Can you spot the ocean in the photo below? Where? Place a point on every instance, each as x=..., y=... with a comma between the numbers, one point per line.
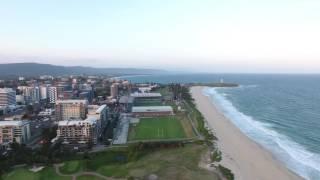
x=280, y=112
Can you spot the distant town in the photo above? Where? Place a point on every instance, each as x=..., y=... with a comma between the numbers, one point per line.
x=48, y=120
x=85, y=111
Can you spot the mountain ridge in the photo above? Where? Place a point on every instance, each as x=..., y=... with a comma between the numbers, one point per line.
x=36, y=69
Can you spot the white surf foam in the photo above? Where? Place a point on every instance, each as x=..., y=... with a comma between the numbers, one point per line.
x=248, y=86
x=293, y=155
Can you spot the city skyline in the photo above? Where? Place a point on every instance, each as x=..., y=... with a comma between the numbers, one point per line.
x=203, y=36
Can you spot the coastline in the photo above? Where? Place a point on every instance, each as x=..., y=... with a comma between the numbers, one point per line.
x=244, y=157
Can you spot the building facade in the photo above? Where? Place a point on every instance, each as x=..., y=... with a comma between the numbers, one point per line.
x=52, y=94
x=101, y=114
x=7, y=97
x=44, y=92
x=31, y=94
x=152, y=111
x=71, y=109
x=114, y=90
x=14, y=131
x=147, y=99
x=78, y=132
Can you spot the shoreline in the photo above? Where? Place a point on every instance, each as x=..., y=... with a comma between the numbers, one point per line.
x=244, y=157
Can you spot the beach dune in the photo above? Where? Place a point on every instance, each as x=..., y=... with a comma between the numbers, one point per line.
x=246, y=159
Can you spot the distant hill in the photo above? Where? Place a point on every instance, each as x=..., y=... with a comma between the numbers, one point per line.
x=35, y=69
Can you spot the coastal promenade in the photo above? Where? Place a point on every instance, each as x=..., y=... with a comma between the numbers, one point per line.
x=247, y=159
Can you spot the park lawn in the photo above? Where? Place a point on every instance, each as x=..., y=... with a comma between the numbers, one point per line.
x=116, y=170
x=172, y=163
x=168, y=127
x=95, y=161
x=21, y=173
x=186, y=124
x=88, y=177
x=47, y=173
x=71, y=167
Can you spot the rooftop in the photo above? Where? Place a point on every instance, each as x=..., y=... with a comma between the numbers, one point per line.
x=13, y=123
x=137, y=95
x=95, y=109
x=6, y=90
x=71, y=101
x=126, y=99
x=151, y=109
x=90, y=120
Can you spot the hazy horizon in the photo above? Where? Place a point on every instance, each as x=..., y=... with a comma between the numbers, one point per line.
x=199, y=36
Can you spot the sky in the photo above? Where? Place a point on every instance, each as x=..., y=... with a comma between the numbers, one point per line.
x=267, y=36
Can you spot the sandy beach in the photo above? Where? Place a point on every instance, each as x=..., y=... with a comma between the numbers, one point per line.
x=246, y=159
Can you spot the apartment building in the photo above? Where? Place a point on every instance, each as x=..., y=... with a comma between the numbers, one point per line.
x=71, y=109
x=52, y=94
x=14, y=131
x=77, y=132
x=101, y=114
x=7, y=97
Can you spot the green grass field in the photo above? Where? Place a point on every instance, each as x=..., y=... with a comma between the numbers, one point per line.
x=88, y=178
x=71, y=167
x=157, y=128
x=177, y=163
x=172, y=163
x=47, y=173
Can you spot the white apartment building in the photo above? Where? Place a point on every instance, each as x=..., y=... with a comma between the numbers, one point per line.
x=101, y=114
x=14, y=131
x=78, y=131
x=52, y=94
x=71, y=109
x=44, y=92
x=31, y=94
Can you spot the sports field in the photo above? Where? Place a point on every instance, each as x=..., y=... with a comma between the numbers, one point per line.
x=157, y=128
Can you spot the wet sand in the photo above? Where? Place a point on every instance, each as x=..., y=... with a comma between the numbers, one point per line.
x=247, y=159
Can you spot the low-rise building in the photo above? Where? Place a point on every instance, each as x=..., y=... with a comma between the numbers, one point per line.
x=46, y=112
x=143, y=99
x=146, y=95
x=151, y=111
x=126, y=103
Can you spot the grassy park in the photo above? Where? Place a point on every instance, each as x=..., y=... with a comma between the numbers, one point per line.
x=87, y=177
x=71, y=167
x=165, y=163
x=47, y=173
x=168, y=127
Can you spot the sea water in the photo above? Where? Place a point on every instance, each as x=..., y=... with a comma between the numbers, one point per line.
x=280, y=112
